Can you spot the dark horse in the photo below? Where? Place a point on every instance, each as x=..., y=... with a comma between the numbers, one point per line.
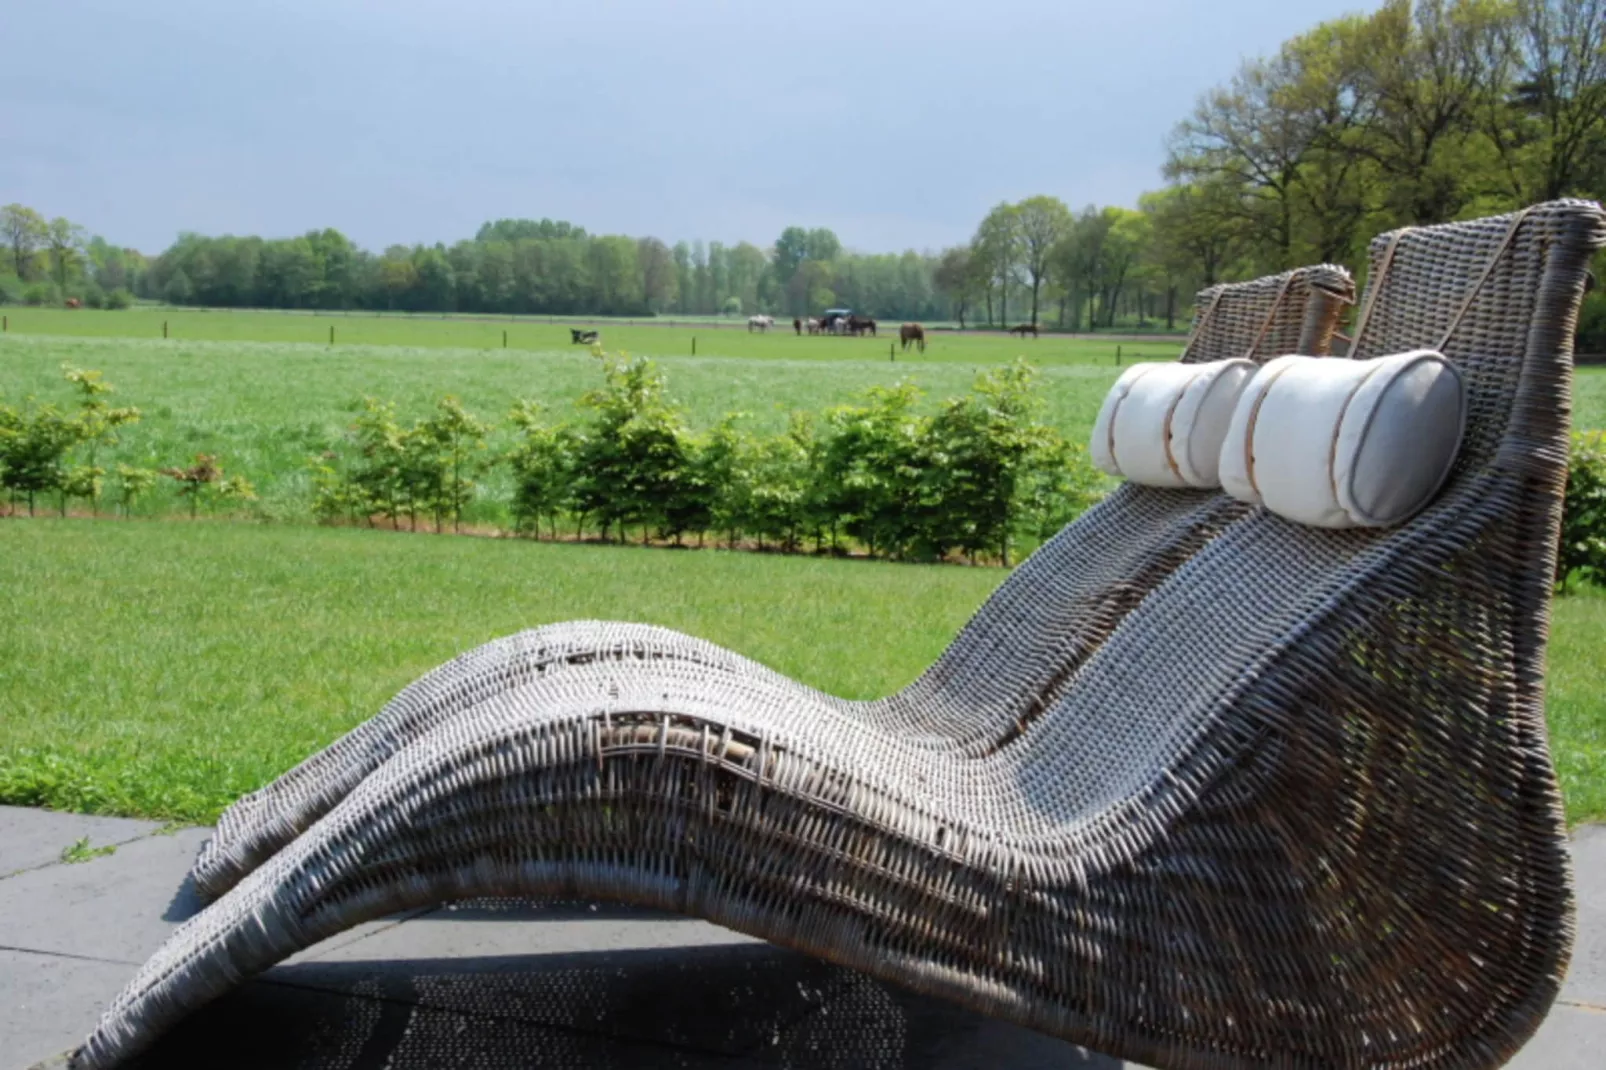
x=1024, y=329
x=797, y=325
x=580, y=337
x=912, y=332
x=859, y=324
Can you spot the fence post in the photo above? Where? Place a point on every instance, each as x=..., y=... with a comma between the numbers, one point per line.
x=892, y=355
x=1118, y=355
x=331, y=334
x=5, y=323
x=694, y=345
x=504, y=339
x=164, y=328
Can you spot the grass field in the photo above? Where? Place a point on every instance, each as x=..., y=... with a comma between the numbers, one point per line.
x=715, y=339
x=162, y=668
x=264, y=408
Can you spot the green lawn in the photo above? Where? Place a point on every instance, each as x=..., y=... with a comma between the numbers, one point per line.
x=162, y=668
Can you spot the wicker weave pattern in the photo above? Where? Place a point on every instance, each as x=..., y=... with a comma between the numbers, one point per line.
x=1056, y=608
x=1291, y=806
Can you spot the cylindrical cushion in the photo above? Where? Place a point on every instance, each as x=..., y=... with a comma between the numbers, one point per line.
x=1162, y=424
x=1341, y=443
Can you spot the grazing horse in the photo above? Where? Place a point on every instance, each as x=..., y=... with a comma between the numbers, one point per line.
x=912, y=332
x=797, y=325
x=759, y=323
x=582, y=337
x=857, y=325
x=73, y=302
x=1024, y=329
x=813, y=325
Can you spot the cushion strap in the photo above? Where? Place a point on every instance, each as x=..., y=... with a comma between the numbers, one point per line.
x=1488, y=269
x=1271, y=316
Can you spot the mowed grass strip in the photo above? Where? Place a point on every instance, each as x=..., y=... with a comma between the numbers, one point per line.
x=164, y=668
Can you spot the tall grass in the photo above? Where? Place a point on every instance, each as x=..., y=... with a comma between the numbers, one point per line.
x=264, y=408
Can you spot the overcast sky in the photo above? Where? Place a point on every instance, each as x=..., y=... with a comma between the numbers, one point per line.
x=895, y=122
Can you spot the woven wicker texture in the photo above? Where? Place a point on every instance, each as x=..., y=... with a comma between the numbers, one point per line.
x=1051, y=613
x=1292, y=805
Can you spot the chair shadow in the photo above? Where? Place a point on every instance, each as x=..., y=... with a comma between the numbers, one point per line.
x=730, y=1005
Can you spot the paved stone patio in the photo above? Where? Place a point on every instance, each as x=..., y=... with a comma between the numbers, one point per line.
x=497, y=984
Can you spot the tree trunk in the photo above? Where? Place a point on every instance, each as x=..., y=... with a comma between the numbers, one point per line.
x=1036, y=282
x=1171, y=307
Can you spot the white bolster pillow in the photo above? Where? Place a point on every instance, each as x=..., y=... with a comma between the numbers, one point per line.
x=1162, y=425
x=1345, y=443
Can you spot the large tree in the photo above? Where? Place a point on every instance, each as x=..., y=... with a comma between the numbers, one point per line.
x=25, y=231
x=1041, y=222
x=995, y=251
x=65, y=242
x=955, y=279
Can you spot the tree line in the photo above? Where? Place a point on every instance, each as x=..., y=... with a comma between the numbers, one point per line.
x=1419, y=112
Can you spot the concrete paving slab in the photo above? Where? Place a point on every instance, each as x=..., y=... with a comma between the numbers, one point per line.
x=496, y=983
x=30, y=838
x=49, y=1003
x=1572, y=1038
x=516, y=928
x=118, y=907
x=1586, y=979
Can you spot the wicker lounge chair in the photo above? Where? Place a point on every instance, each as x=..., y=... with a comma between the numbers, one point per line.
x=1056, y=607
x=1295, y=808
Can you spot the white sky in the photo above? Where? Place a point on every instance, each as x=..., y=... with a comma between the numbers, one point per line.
x=897, y=123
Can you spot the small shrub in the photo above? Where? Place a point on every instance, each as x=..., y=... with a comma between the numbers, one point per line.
x=1582, y=554
x=117, y=300
x=633, y=456
x=33, y=451
x=133, y=484
x=195, y=480
x=543, y=470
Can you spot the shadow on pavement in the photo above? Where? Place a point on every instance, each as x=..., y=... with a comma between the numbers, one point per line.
x=728, y=1006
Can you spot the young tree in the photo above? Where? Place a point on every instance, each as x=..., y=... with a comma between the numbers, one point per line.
x=195, y=480
x=543, y=470
x=97, y=422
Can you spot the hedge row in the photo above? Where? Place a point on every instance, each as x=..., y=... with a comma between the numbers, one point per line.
x=973, y=479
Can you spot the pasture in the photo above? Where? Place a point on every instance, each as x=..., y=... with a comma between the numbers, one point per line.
x=162, y=668
x=264, y=408
x=716, y=338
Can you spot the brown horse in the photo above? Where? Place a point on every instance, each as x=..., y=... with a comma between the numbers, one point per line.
x=73, y=302
x=1024, y=329
x=858, y=325
x=912, y=332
